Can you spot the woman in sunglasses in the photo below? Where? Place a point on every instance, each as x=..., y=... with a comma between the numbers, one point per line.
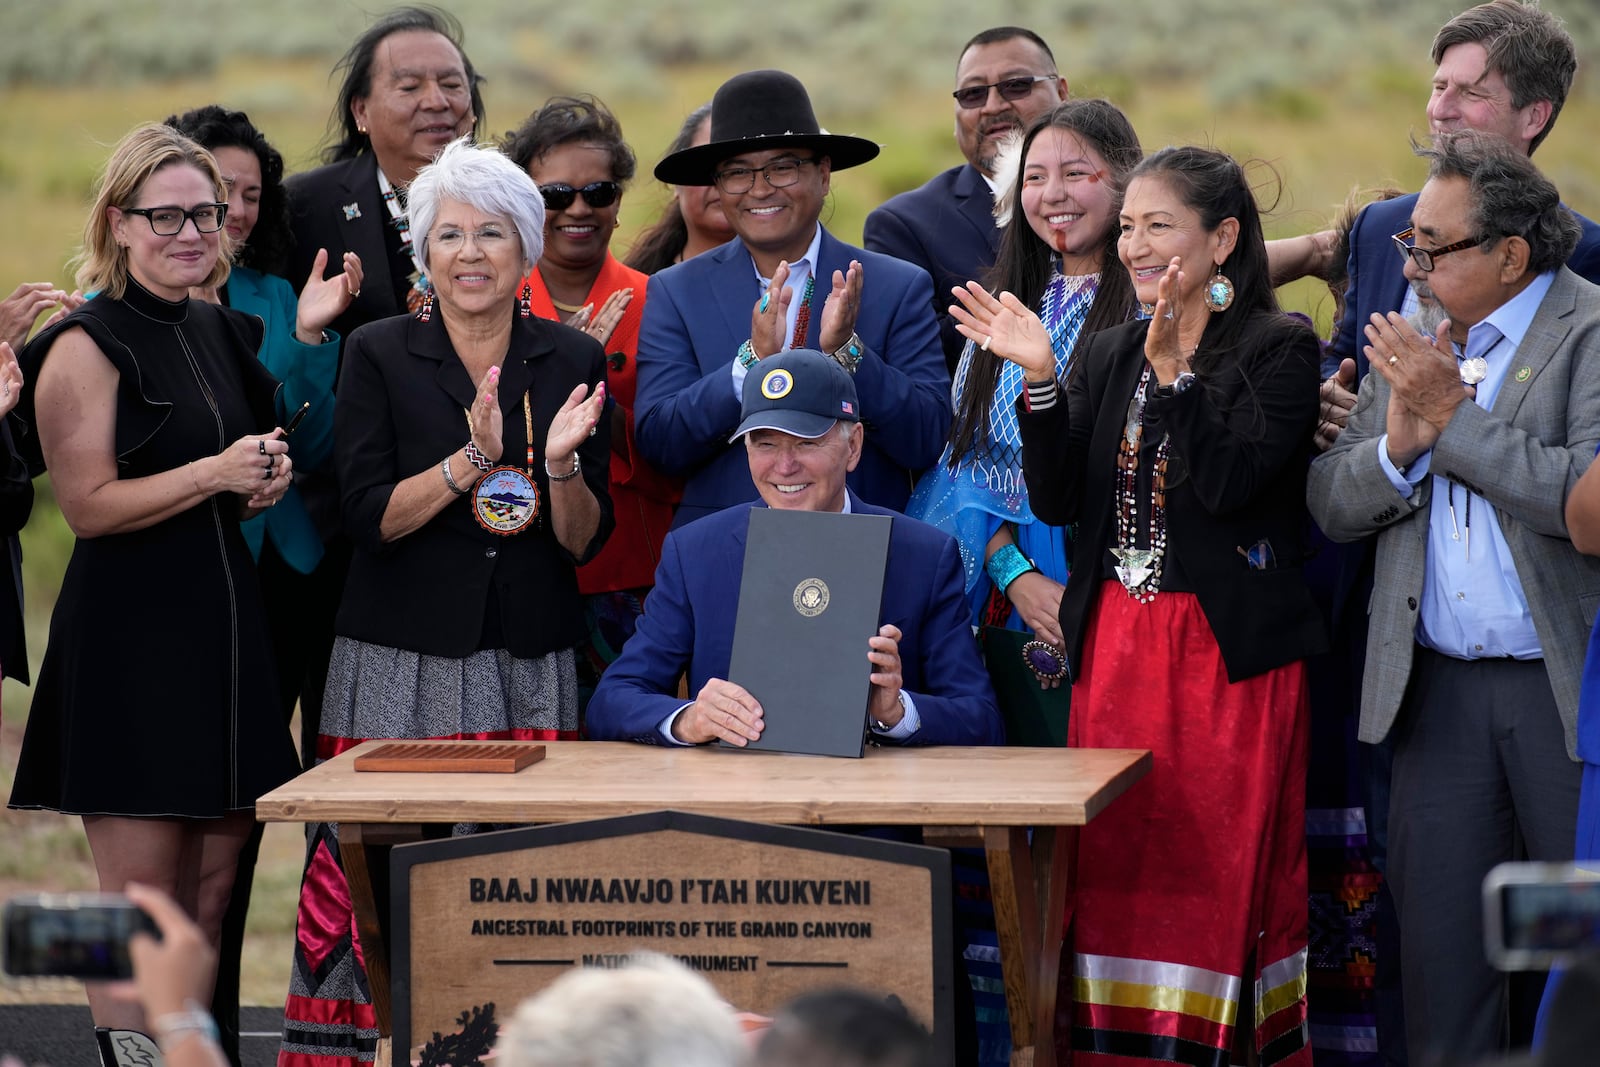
x=573, y=149
x=155, y=716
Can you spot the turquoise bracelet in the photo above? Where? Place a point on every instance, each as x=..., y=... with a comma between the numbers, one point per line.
x=1006, y=566
x=747, y=355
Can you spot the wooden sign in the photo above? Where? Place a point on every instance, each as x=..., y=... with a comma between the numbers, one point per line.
x=763, y=912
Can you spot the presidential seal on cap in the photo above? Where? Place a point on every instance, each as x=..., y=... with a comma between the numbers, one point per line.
x=800, y=392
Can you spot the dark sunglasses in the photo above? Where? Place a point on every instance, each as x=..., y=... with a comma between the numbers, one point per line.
x=558, y=196
x=975, y=96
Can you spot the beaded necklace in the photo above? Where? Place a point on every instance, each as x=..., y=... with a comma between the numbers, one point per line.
x=802, y=321
x=1139, y=569
x=402, y=225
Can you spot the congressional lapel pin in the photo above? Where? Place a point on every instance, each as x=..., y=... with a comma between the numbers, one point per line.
x=352, y=212
x=1524, y=373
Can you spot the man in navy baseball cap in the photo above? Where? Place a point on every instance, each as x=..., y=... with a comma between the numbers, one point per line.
x=801, y=425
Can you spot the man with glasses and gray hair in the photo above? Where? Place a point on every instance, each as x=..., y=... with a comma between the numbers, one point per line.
x=1456, y=463
x=1006, y=77
x=785, y=283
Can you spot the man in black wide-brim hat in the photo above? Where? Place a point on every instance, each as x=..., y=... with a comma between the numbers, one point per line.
x=783, y=283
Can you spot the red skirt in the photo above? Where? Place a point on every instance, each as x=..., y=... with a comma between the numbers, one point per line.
x=1194, y=882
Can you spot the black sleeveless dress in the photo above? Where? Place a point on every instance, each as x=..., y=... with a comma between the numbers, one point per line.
x=157, y=696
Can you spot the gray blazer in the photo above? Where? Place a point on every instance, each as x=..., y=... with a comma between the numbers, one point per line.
x=1523, y=457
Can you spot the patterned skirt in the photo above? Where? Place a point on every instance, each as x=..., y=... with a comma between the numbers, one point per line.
x=378, y=692
x=1191, y=889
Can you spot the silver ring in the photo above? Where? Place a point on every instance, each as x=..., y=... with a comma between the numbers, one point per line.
x=591, y=431
x=262, y=444
x=986, y=339
x=1393, y=360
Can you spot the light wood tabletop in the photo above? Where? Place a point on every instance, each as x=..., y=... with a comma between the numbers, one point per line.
x=935, y=786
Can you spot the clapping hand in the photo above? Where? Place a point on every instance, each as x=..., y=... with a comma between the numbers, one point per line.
x=485, y=421
x=10, y=378
x=325, y=299
x=25, y=304
x=769, y=321
x=843, y=305
x=573, y=424
x=1424, y=382
x=604, y=322
x=1007, y=327
x=1163, y=344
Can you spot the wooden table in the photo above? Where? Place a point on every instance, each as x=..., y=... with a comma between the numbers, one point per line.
x=985, y=797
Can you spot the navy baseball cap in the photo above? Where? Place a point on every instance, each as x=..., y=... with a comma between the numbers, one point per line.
x=800, y=392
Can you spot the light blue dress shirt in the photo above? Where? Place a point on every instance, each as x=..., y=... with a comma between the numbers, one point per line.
x=799, y=271
x=1473, y=605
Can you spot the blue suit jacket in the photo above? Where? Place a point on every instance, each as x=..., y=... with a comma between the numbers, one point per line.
x=947, y=228
x=307, y=373
x=1378, y=284
x=688, y=625
x=697, y=314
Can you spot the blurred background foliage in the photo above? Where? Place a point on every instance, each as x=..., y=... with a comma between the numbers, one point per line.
x=1325, y=96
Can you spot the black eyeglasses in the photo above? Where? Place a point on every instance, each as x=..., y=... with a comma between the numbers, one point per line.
x=780, y=174
x=1424, y=257
x=168, y=221
x=558, y=196
x=975, y=96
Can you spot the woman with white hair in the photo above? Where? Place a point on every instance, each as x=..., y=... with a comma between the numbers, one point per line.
x=472, y=457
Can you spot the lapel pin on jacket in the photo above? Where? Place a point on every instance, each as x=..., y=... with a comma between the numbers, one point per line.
x=352, y=212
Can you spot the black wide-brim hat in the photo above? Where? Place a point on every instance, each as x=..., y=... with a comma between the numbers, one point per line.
x=755, y=111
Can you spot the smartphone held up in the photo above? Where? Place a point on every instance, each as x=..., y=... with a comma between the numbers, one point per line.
x=71, y=935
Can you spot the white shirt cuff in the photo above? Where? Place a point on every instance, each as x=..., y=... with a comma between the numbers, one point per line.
x=908, y=725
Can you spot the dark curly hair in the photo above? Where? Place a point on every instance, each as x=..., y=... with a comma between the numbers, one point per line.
x=213, y=127
x=348, y=141
x=659, y=247
x=570, y=120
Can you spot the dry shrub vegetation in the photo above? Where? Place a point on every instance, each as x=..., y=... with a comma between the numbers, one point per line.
x=1324, y=95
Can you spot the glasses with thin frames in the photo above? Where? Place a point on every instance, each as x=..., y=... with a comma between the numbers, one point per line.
x=558, y=196
x=780, y=174
x=971, y=97
x=1424, y=257
x=167, y=221
x=489, y=239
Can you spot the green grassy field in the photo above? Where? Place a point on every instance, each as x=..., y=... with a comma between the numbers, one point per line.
x=1325, y=96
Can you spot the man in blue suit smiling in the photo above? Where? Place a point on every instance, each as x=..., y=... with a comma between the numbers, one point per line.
x=784, y=283
x=801, y=437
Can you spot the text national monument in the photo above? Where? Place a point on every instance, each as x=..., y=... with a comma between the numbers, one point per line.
x=763, y=912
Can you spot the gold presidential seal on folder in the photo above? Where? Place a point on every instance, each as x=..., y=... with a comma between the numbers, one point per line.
x=811, y=597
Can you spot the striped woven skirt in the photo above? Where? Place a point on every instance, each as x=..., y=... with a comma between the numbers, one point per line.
x=1190, y=890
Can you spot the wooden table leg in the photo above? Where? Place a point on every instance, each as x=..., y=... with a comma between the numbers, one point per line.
x=1053, y=848
x=1023, y=930
x=360, y=846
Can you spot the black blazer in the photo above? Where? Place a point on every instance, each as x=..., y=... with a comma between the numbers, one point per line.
x=403, y=396
x=338, y=207
x=947, y=228
x=1236, y=475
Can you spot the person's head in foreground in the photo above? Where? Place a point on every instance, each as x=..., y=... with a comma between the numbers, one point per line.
x=652, y=1013
x=844, y=1028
